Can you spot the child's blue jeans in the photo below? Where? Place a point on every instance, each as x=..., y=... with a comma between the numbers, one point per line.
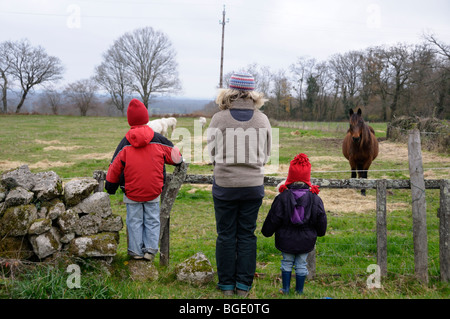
x=143, y=228
x=297, y=261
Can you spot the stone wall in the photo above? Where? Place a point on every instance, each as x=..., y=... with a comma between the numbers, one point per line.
x=41, y=216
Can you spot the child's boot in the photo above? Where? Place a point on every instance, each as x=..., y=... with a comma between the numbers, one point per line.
x=299, y=283
x=286, y=280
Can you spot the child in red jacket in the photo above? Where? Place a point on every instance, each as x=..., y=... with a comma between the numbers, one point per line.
x=138, y=167
x=297, y=216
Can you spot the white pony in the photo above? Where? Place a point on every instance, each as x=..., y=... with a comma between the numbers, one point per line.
x=202, y=121
x=159, y=126
x=162, y=125
x=171, y=122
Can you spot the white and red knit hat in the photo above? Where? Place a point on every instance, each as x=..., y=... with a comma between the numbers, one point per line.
x=299, y=171
x=242, y=81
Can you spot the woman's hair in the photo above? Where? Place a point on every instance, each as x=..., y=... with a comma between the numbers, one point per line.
x=226, y=97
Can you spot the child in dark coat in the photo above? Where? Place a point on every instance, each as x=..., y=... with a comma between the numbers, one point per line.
x=297, y=217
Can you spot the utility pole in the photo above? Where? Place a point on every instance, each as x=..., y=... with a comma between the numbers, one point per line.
x=223, y=22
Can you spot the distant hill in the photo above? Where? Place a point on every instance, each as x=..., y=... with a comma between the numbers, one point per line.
x=177, y=105
x=36, y=103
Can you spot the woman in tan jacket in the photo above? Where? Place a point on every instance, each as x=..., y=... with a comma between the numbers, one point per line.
x=239, y=143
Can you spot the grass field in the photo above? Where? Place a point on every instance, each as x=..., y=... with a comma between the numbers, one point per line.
x=76, y=146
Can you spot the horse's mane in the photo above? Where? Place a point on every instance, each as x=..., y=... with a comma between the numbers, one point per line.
x=365, y=135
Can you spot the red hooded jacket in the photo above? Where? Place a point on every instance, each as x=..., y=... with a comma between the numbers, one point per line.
x=138, y=164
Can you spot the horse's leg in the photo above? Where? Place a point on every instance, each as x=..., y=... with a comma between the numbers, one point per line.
x=353, y=168
x=362, y=174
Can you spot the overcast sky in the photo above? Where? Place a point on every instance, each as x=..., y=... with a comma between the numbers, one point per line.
x=270, y=33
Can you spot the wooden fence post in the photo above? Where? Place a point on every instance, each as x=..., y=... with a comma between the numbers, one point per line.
x=381, y=227
x=444, y=231
x=168, y=196
x=311, y=264
x=419, y=212
x=100, y=176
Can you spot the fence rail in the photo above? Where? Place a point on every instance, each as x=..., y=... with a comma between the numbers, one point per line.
x=354, y=183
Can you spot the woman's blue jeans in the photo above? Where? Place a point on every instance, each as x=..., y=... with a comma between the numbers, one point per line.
x=236, y=242
x=143, y=225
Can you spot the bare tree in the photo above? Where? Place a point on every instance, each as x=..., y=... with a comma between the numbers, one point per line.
x=31, y=66
x=263, y=80
x=53, y=98
x=347, y=69
x=325, y=108
x=440, y=47
x=441, y=76
x=151, y=62
x=398, y=64
x=82, y=94
x=282, y=91
x=112, y=76
x=376, y=83
x=261, y=74
x=5, y=71
x=301, y=70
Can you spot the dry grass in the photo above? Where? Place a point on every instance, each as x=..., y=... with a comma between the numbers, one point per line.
x=341, y=201
x=41, y=165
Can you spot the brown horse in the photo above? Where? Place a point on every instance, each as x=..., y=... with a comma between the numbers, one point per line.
x=360, y=146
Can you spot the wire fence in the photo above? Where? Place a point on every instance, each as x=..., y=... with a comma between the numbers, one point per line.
x=350, y=245
x=335, y=255
x=342, y=127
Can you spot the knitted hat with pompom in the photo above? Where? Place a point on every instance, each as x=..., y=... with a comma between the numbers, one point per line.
x=300, y=171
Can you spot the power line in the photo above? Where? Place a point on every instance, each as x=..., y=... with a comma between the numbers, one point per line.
x=64, y=15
